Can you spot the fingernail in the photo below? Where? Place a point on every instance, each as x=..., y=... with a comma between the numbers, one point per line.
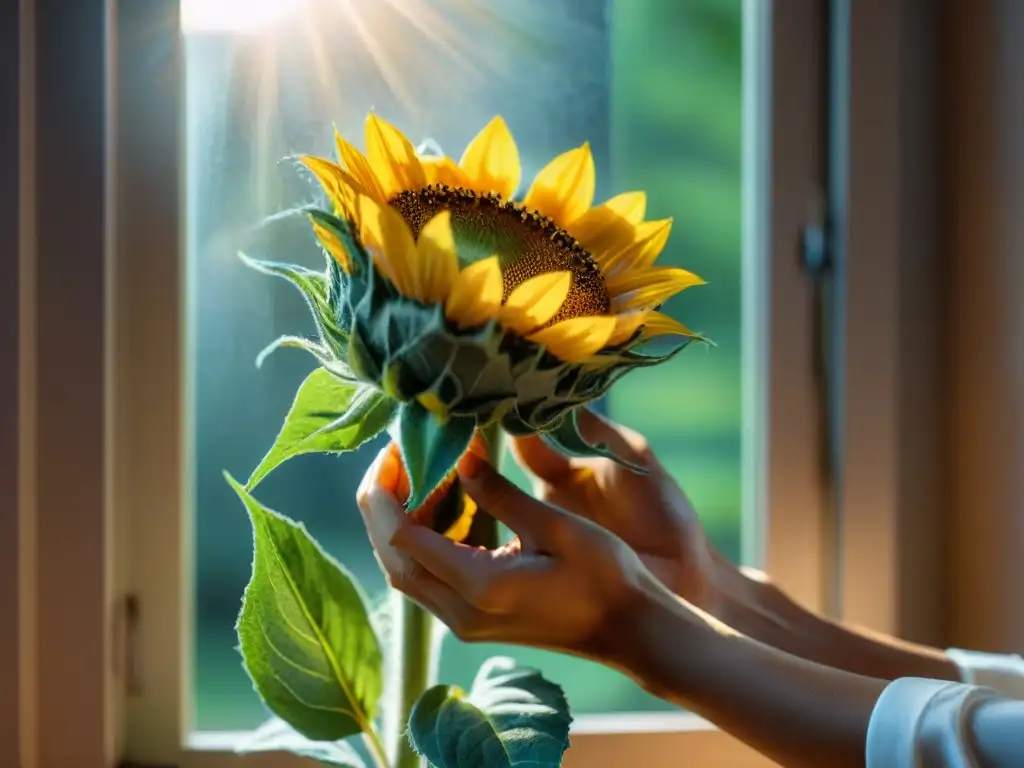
x=471, y=465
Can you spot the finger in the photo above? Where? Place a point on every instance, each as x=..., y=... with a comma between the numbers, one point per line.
x=541, y=524
x=384, y=471
x=383, y=515
x=461, y=567
x=464, y=620
x=537, y=457
x=624, y=442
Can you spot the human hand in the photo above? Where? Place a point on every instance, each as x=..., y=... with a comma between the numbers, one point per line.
x=648, y=512
x=564, y=583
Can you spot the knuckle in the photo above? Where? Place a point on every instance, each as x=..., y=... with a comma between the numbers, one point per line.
x=635, y=440
x=487, y=594
x=464, y=629
x=404, y=580
x=642, y=447
x=564, y=527
x=496, y=491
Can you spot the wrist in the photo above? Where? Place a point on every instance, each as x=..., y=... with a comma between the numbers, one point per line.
x=752, y=605
x=649, y=639
x=747, y=601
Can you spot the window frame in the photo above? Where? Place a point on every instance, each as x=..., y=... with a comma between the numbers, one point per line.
x=130, y=331
x=59, y=619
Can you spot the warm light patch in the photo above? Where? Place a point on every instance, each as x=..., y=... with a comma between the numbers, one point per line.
x=244, y=16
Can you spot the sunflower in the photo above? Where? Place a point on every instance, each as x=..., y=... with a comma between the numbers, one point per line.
x=466, y=307
x=553, y=269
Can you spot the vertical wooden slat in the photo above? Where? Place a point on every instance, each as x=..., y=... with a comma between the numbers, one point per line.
x=985, y=122
x=74, y=591
x=11, y=423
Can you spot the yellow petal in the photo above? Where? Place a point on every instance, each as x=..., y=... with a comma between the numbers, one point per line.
x=341, y=188
x=491, y=161
x=437, y=258
x=649, y=288
x=432, y=403
x=564, y=189
x=535, y=301
x=443, y=170
x=659, y=324
x=576, y=339
x=611, y=225
x=331, y=243
x=649, y=241
x=359, y=167
x=626, y=325
x=385, y=233
x=459, y=530
x=476, y=296
x=392, y=158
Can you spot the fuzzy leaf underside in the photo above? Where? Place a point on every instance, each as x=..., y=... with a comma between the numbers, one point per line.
x=304, y=632
x=512, y=718
x=276, y=735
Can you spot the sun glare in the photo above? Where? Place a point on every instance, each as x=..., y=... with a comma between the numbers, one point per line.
x=199, y=16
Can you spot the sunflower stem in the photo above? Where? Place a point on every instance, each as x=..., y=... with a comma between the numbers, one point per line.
x=484, y=531
x=415, y=656
x=415, y=671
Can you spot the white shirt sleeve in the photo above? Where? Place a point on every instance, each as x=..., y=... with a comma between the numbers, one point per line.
x=1001, y=672
x=920, y=723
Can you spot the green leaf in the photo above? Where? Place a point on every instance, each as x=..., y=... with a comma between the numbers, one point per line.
x=430, y=448
x=304, y=633
x=329, y=415
x=276, y=735
x=566, y=437
x=512, y=717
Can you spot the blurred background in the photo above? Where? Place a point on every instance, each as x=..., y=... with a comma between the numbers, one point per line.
x=655, y=86
x=898, y=122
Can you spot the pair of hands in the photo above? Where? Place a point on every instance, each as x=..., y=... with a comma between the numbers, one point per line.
x=596, y=538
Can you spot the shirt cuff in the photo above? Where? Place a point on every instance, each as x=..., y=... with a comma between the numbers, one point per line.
x=919, y=722
x=1001, y=672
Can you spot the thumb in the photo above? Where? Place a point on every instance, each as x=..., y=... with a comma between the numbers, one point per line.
x=542, y=524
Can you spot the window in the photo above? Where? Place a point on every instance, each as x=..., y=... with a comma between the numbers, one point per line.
x=675, y=98
x=104, y=491
x=561, y=74
x=734, y=154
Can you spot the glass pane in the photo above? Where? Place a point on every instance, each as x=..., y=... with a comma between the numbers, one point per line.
x=653, y=85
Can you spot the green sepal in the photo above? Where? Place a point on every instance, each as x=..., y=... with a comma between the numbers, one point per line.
x=304, y=632
x=566, y=437
x=511, y=717
x=276, y=735
x=430, y=448
x=632, y=357
x=321, y=353
x=328, y=415
x=342, y=230
x=315, y=289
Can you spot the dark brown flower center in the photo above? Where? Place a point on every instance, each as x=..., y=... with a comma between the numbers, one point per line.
x=527, y=243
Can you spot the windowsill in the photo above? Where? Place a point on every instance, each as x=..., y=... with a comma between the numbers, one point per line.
x=588, y=725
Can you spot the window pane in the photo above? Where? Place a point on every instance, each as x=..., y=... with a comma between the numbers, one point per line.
x=653, y=85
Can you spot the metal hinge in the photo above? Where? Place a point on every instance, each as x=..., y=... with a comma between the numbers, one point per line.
x=823, y=266
x=127, y=665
